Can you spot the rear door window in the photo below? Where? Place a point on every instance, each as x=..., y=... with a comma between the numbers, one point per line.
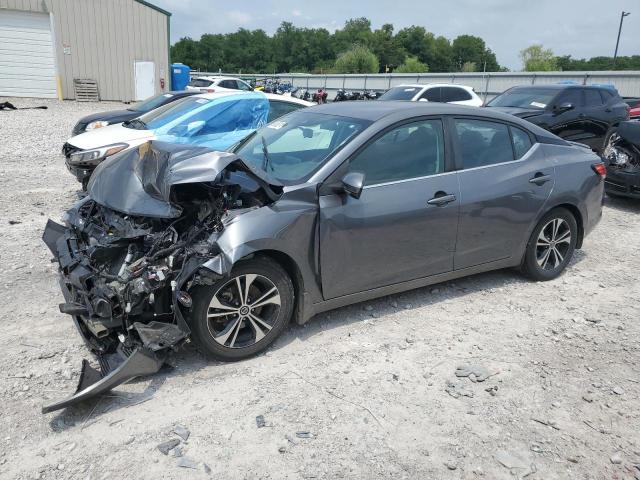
x=482, y=143
x=592, y=98
x=432, y=94
x=454, y=94
x=231, y=84
x=572, y=96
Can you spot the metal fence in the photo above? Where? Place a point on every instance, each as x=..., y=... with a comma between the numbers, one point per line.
x=487, y=85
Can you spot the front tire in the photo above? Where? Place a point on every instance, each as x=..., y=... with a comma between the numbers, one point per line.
x=242, y=314
x=551, y=245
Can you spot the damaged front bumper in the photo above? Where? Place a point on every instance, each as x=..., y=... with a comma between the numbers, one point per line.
x=140, y=349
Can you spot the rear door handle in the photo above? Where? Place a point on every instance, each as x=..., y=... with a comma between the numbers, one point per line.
x=441, y=199
x=540, y=179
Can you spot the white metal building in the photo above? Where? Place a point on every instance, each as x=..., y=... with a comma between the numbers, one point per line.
x=46, y=44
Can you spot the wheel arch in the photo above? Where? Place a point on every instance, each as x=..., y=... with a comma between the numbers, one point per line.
x=577, y=214
x=295, y=274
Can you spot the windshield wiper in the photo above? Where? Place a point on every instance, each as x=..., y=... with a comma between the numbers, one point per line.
x=266, y=162
x=136, y=124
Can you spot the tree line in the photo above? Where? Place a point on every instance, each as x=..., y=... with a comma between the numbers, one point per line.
x=355, y=48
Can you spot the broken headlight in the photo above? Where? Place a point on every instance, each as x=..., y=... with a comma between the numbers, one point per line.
x=96, y=124
x=96, y=155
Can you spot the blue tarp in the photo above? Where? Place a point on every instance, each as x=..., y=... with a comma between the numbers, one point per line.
x=214, y=123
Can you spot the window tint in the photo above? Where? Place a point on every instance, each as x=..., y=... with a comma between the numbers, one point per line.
x=278, y=109
x=400, y=93
x=521, y=142
x=592, y=97
x=200, y=82
x=433, y=94
x=408, y=151
x=243, y=86
x=606, y=95
x=572, y=96
x=483, y=143
x=228, y=84
x=453, y=94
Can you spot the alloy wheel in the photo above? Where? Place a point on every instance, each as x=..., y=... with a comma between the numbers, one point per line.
x=243, y=311
x=553, y=244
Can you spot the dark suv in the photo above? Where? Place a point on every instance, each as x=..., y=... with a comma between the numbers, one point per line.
x=574, y=112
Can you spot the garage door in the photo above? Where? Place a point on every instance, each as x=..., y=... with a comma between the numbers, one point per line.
x=27, y=67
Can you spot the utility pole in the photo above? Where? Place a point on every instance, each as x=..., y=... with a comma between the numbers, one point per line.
x=615, y=55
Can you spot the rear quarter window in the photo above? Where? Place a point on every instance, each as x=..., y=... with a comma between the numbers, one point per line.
x=521, y=142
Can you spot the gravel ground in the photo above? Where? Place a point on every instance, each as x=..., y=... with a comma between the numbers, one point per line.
x=367, y=391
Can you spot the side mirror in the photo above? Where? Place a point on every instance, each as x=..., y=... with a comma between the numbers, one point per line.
x=564, y=107
x=353, y=183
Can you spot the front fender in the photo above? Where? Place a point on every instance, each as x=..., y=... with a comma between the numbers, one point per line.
x=288, y=226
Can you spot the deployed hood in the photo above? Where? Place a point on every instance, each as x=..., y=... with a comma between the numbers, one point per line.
x=138, y=181
x=517, y=111
x=109, y=135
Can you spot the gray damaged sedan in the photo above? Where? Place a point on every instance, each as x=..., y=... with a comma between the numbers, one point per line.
x=325, y=207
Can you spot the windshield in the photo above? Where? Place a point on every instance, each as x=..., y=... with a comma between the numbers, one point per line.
x=536, y=98
x=151, y=103
x=400, y=93
x=292, y=148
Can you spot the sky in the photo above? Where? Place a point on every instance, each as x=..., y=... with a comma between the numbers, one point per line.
x=580, y=28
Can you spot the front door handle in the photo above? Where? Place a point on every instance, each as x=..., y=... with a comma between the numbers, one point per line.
x=441, y=199
x=540, y=179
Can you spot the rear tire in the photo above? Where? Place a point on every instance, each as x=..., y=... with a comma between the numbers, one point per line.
x=551, y=245
x=242, y=314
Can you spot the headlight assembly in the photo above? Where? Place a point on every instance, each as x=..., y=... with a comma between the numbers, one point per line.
x=93, y=157
x=96, y=124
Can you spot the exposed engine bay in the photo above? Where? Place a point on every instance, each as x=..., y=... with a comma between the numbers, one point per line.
x=128, y=257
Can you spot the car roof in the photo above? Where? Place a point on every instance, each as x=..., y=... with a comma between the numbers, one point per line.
x=374, y=111
x=216, y=77
x=558, y=86
x=432, y=85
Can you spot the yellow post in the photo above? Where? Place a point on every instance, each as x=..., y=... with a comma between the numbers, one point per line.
x=59, y=86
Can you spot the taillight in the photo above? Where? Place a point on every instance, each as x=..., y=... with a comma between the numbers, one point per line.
x=600, y=169
x=211, y=90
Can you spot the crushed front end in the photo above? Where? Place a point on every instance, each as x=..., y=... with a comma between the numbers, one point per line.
x=129, y=253
x=622, y=156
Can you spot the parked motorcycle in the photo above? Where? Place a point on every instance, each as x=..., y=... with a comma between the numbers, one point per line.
x=320, y=96
x=622, y=156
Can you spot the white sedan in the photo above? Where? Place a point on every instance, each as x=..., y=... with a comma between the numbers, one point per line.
x=212, y=120
x=218, y=84
x=435, y=92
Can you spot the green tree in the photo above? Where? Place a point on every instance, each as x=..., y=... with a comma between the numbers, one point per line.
x=356, y=31
x=538, y=59
x=412, y=65
x=469, y=48
x=358, y=59
x=386, y=47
